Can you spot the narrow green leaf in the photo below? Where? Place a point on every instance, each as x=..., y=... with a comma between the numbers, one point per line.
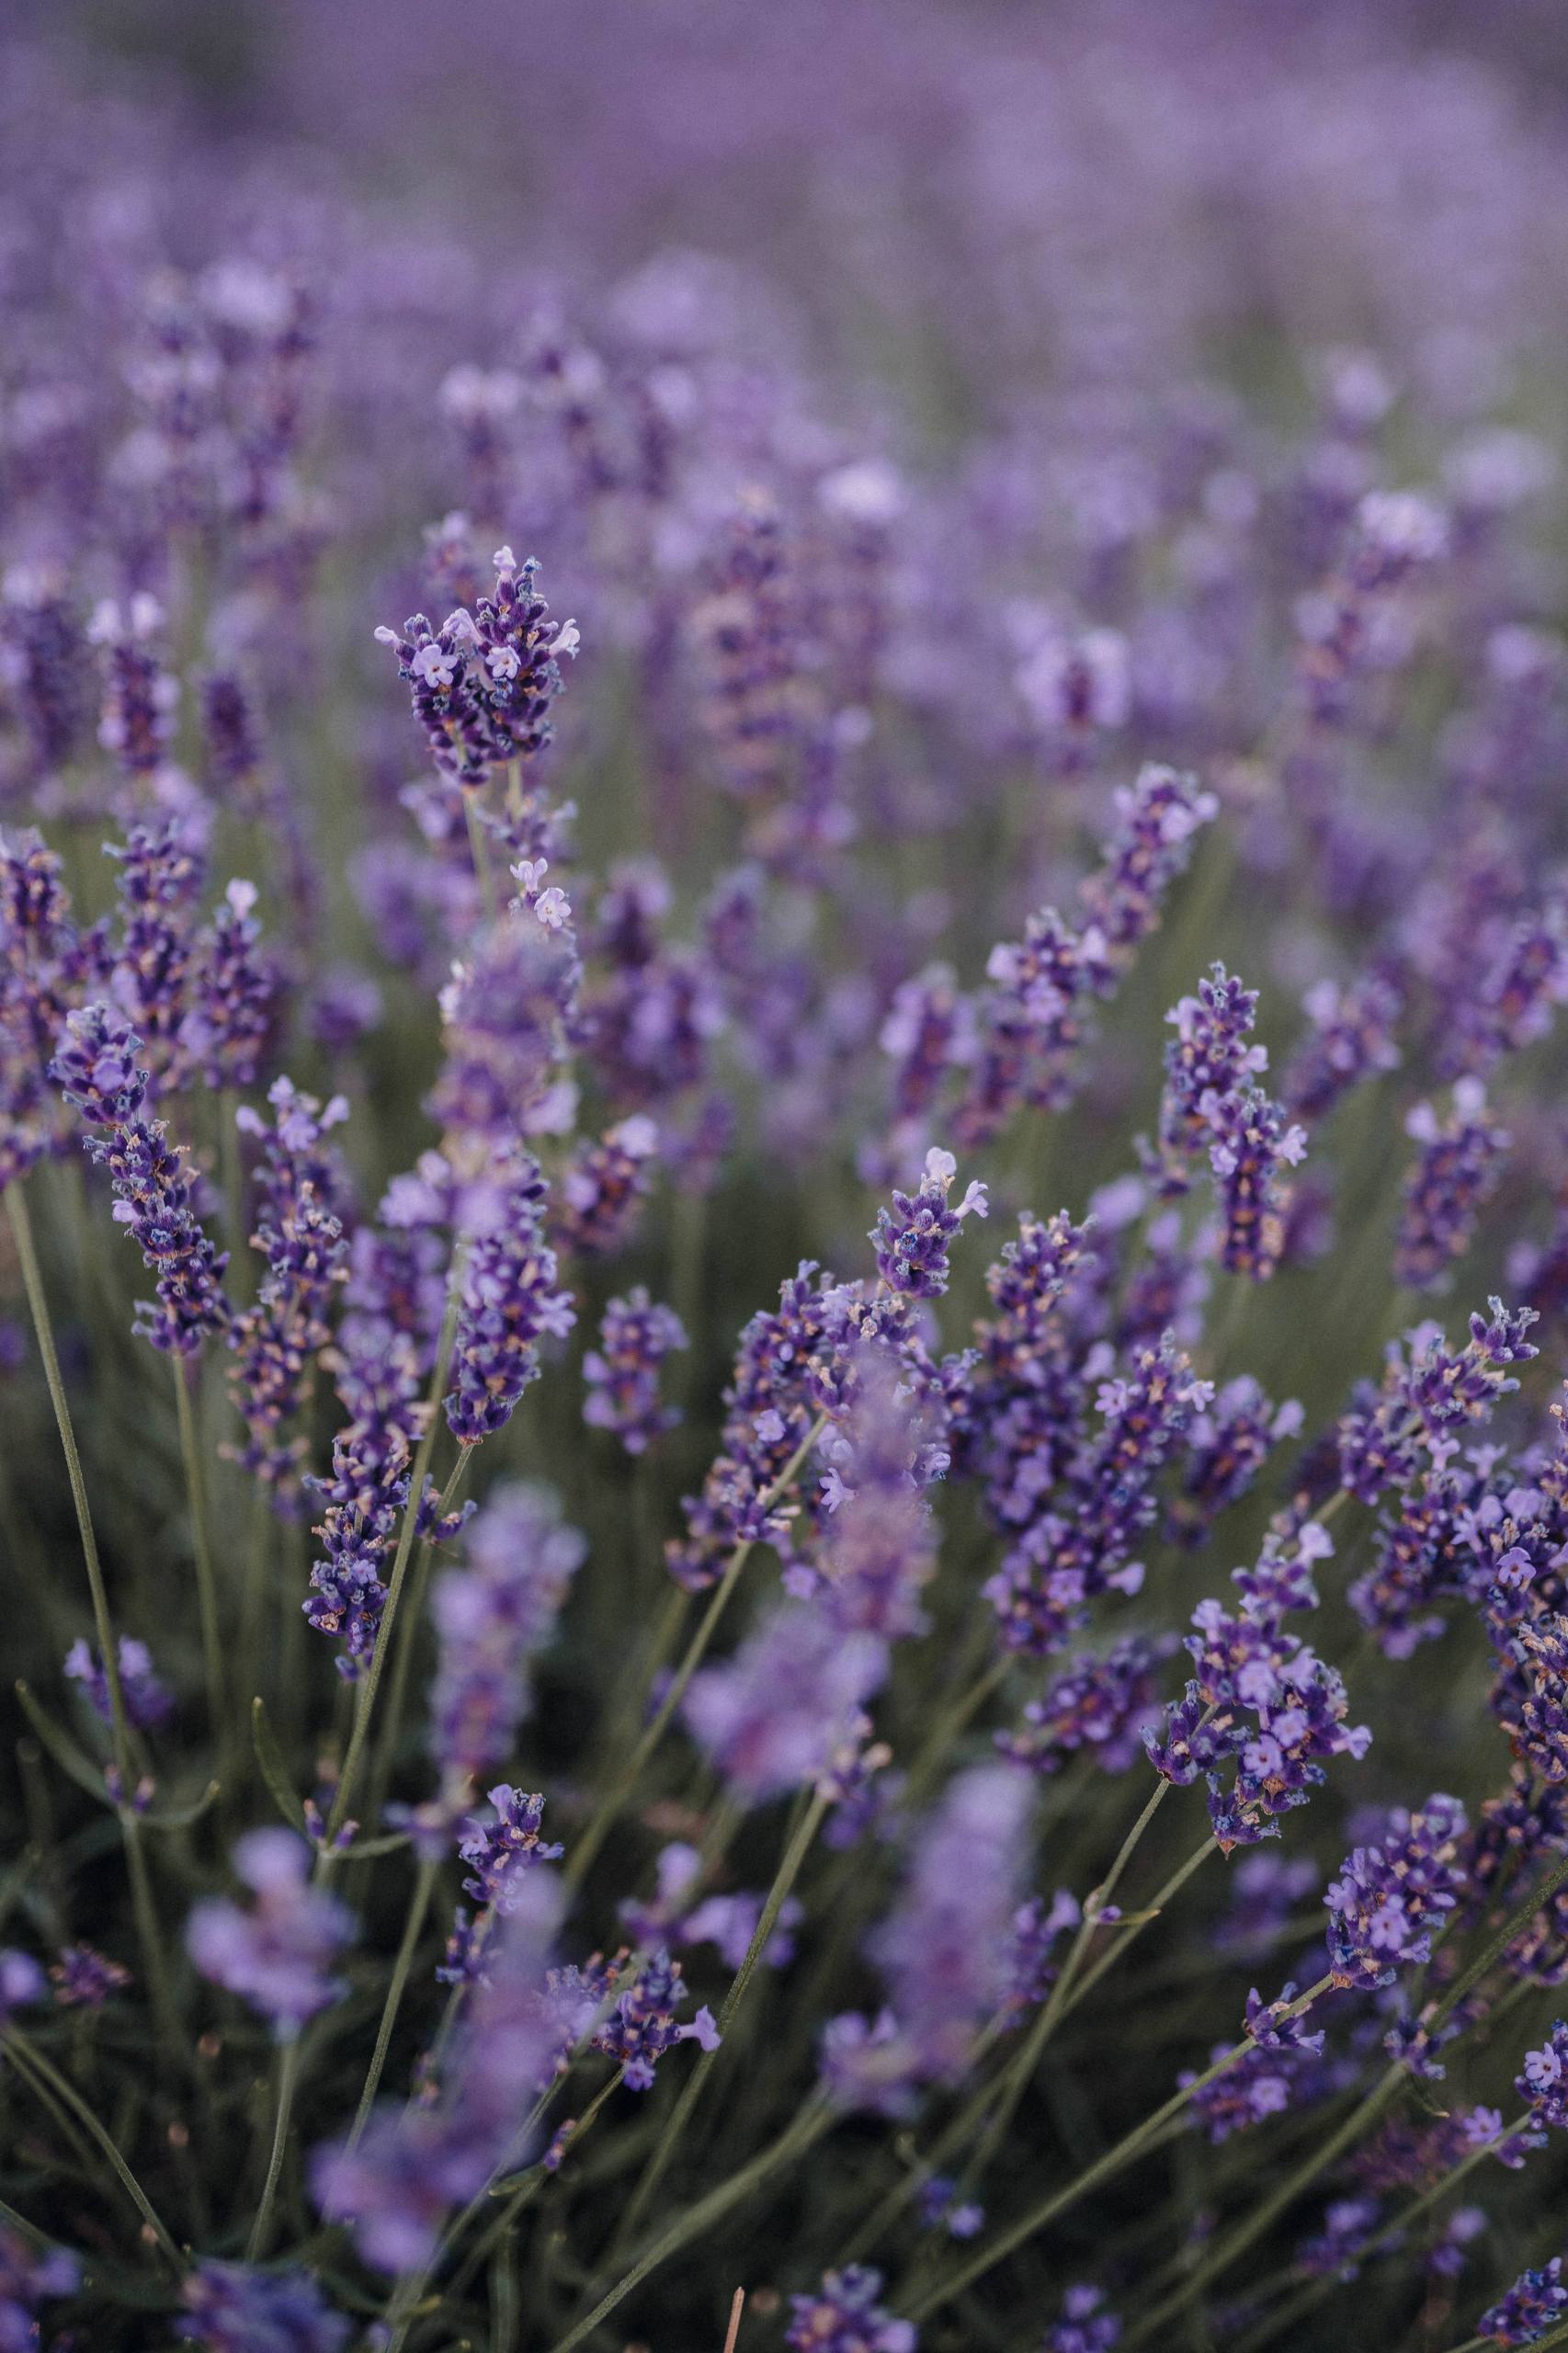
x=180, y=1817
x=274, y=1771
x=63, y=1749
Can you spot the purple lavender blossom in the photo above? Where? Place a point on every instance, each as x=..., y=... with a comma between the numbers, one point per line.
x=1535, y=2300
x=913, y=1238
x=1208, y=1059
x=482, y=683
x=509, y=1305
x=1544, y=2082
x=1351, y=1041
x=31, y=2276
x=84, y=1979
x=22, y=1981
x=141, y=698
x=942, y=1950
x=235, y=2309
x=1455, y=1171
x=148, y=1700
x=642, y=2026
x=844, y=2316
x=1105, y=1705
x=96, y=1072
x=1250, y=1143
x=622, y=1373
x=1391, y=1897
x=603, y=1186
x=1085, y=2326
x=277, y=1955
x=490, y=1618
x=772, y=1719
x=231, y=996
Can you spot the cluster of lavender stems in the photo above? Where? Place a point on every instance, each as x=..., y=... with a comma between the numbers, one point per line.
x=842, y=1621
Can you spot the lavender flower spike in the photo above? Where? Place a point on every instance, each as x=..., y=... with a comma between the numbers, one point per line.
x=278, y=1955
x=912, y=1239
x=844, y=2316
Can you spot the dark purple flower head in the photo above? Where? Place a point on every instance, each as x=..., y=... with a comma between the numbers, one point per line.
x=509, y=1305
x=482, y=683
x=1335, y=2252
x=1157, y=823
x=1390, y=1898
x=1455, y=1174
x=232, y=2308
x=622, y=1373
x=499, y=1850
x=642, y=2027
x=140, y=699
x=1532, y=2304
x=1229, y=1442
x=603, y=1186
x=231, y=997
x=1106, y=1705
x=913, y=1237
x=95, y=1070
x=163, y=867
x=1249, y=1144
x=844, y=2316
x=148, y=1700
x=1210, y=1057
x=84, y=1979
x=278, y=1954
x=1428, y=1392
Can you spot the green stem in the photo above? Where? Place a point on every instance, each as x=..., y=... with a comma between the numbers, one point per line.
x=206, y=1574
x=1131, y=2146
x=479, y=850
x=789, y=1871
x=418, y=1904
x=366, y=1701
x=42, y=2071
x=283, y=2109
x=148, y=1939
x=581, y=1859
x=407, y=1636
x=793, y=2141
x=527, y=2189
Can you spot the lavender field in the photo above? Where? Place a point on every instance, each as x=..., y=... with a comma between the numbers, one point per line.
x=783, y=1176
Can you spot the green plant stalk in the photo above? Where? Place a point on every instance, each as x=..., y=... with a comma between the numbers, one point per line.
x=411, y=1618
x=202, y=1539
x=580, y=1861
x=283, y=2110
x=41, y=2071
x=1129, y=2147
x=365, y=1705
x=808, y=2126
x=418, y=1904
x=669, y=2140
x=525, y=2191
x=148, y=1939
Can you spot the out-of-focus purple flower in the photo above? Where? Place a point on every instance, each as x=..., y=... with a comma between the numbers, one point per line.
x=31, y=2276
x=1229, y=1443
x=162, y=870
x=148, y=1700
x=1157, y=823
x=413, y=2163
x=84, y=1979
x=22, y=1981
x=1265, y=1888
x=95, y=1070
x=603, y=1186
x=844, y=2316
x=233, y=2308
x=1512, y=1002
x=877, y=1543
x=1085, y=2326
x=233, y=993
x=1209, y=1058
x=1390, y=1897
x=277, y=1954
x=622, y=1373
x=1038, y=1927
x=771, y=1718
x=941, y=2209
x=490, y=1618
x=509, y=1305
x=913, y=1238
x=1455, y=1171
x=1335, y=2252
x=503, y=1013
x=1535, y=2300
x=139, y=698
x=1351, y=1040
x=943, y=1949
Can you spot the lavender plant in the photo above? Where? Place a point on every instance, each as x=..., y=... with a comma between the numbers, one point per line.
x=802, y=1570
